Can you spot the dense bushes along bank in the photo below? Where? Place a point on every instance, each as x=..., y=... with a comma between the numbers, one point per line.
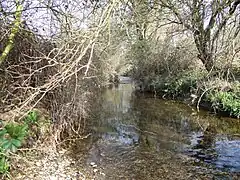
x=197, y=88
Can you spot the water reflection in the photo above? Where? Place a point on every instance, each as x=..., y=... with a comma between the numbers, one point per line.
x=221, y=151
x=139, y=137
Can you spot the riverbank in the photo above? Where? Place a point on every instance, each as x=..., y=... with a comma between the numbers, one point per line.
x=198, y=89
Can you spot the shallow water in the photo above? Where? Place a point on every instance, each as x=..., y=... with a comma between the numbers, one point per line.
x=142, y=137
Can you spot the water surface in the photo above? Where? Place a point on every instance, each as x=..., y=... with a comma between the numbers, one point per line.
x=142, y=137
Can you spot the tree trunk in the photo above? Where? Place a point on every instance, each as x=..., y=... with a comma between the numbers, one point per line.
x=203, y=44
x=207, y=61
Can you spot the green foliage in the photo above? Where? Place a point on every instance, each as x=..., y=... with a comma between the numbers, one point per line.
x=4, y=164
x=179, y=86
x=31, y=118
x=12, y=136
x=16, y=131
x=225, y=101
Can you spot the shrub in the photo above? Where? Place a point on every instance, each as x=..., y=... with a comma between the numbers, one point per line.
x=225, y=101
x=179, y=86
x=12, y=136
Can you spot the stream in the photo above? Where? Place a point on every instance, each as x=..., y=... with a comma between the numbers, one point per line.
x=137, y=136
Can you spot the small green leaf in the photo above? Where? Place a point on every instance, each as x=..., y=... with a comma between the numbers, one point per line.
x=31, y=117
x=3, y=132
x=4, y=165
x=16, y=142
x=6, y=145
x=13, y=148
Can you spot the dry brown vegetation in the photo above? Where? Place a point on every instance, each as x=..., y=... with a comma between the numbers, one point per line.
x=55, y=55
x=59, y=71
x=58, y=74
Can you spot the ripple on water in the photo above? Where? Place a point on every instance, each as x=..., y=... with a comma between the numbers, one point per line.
x=139, y=137
x=221, y=151
x=228, y=154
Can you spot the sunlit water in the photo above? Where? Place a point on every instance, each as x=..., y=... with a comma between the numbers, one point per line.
x=142, y=137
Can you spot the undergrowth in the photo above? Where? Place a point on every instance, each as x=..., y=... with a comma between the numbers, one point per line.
x=226, y=101
x=12, y=137
x=178, y=86
x=222, y=96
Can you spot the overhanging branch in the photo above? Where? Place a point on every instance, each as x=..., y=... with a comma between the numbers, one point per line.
x=14, y=31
